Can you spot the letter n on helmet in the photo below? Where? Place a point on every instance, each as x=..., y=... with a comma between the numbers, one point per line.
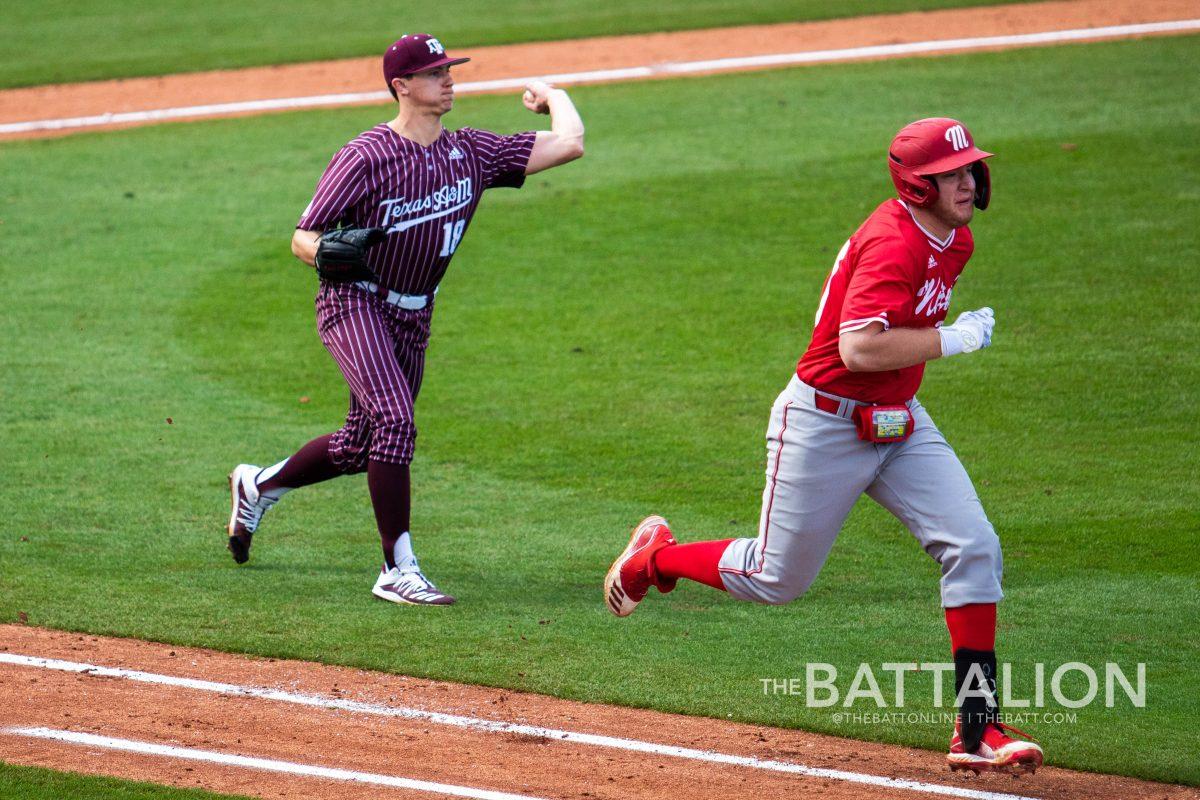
x=930, y=147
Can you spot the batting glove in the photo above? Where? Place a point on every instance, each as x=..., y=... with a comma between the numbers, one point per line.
x=970, y=332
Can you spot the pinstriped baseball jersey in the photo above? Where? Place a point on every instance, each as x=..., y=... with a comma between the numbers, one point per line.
x=891, y=271
x=423, y=196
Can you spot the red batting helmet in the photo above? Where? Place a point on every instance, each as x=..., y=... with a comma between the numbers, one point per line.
x=932, y=146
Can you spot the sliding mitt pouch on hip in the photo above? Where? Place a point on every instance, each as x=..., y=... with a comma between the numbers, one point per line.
x=882, y=424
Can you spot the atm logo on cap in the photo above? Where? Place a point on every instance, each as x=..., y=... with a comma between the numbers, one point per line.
x=435, y=46
x=956, y=135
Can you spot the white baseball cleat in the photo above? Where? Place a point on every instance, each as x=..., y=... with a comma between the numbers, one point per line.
x=631, y=575
x=409, y=587
x=248, y=506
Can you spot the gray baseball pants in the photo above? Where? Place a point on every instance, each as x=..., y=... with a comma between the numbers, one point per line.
x=817, y=468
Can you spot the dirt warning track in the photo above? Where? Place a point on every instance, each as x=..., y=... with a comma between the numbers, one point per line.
x=270, y=728
x=61, y=109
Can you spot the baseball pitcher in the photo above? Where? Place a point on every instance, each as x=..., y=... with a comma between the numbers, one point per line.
x=385, y=221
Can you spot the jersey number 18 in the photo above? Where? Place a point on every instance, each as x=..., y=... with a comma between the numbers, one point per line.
x=451, y=235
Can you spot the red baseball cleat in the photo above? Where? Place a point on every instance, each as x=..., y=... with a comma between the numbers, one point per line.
x=997, y=751
x=630, y=576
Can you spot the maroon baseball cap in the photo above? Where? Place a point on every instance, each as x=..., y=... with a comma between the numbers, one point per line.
x=413, y=53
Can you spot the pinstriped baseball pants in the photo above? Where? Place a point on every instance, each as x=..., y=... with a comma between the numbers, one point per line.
x=380, y=349
x=817, y=468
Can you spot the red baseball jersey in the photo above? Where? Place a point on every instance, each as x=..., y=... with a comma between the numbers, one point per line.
x=891, y=271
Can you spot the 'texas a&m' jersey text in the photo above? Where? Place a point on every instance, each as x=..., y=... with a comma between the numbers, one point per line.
x=423, y=196
x=891, y=271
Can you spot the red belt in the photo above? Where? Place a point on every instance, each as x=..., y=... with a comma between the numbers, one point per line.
x=826, y=404
x=833, y=406
x=836, y=406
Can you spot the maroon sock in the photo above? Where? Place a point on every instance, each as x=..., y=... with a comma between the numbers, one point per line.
x=696, y=561
x=390, y=488
x=311, y=464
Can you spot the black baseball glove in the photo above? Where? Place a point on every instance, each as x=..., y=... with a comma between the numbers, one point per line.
x=342, y=254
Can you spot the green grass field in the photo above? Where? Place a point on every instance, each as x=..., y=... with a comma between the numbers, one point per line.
x=607, y=344
x=32, y=783
x=67, y=41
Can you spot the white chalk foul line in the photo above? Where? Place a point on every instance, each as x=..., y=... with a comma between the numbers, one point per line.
x=493, y=726
x=268, y=764
x=626, y=73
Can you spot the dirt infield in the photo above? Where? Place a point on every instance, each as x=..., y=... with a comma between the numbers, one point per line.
x=376, y=724
x=652, y=51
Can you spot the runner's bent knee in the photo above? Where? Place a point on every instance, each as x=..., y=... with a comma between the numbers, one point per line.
x=972, y=568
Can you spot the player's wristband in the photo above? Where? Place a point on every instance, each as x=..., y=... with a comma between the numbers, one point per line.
x=958, y=340
x=953, y=341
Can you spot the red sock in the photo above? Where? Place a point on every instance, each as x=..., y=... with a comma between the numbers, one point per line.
x=972, y=626
x=696, y=561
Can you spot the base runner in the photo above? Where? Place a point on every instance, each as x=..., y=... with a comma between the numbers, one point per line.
x=849, y=424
